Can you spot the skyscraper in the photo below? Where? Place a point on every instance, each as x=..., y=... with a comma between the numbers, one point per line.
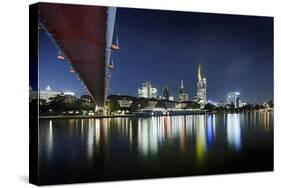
x=201, y=96
x=147, y=91
x=165, y=92
x=233, y=98
x=182, y=95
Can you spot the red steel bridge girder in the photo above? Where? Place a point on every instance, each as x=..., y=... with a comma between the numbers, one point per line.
x=80, y=33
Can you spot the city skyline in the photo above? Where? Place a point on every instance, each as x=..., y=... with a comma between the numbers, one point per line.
x=245, y=44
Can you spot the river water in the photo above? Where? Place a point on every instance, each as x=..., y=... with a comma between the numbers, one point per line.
x=85, y=150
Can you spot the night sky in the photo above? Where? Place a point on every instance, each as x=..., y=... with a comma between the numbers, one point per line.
x=236, y=53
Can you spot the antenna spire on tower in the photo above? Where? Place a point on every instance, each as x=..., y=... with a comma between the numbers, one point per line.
x=182, y=86
x=199, y=72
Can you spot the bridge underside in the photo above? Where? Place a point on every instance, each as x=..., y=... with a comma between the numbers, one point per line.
x=80, y=33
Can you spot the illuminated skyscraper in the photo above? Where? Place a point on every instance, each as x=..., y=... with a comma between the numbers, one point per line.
x=147, y=91
x=165, y=92
x=182, y=95
x=233, y=98
x=201, y=95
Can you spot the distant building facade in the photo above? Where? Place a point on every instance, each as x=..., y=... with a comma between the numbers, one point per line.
x=165, y=92
x=233, y=98
x=182, y=95
x=201, y=95
x=171, y=98
x=147, y=91
x=242, y=104
x=86, y=98
x=125, y=103
x=46, y=95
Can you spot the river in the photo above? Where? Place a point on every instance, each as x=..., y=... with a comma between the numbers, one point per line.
x=85, y=150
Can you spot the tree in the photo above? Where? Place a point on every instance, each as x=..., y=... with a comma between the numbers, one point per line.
x=113, y=106
x=63, y=103
x=192, y=105
x=209, y=107
x=270, y=104
x=247, y=107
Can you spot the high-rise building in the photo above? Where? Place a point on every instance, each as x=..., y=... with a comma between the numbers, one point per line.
x=147, y=91
x=201, y=95
x=165, y=92
x=182, y=95
x=233, y=98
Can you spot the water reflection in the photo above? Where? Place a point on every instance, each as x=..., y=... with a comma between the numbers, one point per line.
x=148, y=136
x=192, y=137
x=90, y=136
x=234, y=131
x=163, y=132
x=201, y=141
x=210, y=128
x=266, y=120
x=50, y=140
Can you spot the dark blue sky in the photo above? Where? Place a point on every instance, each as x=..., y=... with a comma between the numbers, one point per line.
x=54, y=72
x=236, y=53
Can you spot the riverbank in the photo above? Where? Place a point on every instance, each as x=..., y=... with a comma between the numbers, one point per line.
x=85, y=116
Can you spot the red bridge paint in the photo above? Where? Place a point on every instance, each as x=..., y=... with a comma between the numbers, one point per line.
x=80, y=33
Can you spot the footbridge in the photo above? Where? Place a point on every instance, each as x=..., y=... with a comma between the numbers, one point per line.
x=83, y=35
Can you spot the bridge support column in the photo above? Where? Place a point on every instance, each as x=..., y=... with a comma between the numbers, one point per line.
x=101, y=110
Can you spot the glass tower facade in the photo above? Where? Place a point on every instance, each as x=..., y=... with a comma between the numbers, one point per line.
x=201, y=96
